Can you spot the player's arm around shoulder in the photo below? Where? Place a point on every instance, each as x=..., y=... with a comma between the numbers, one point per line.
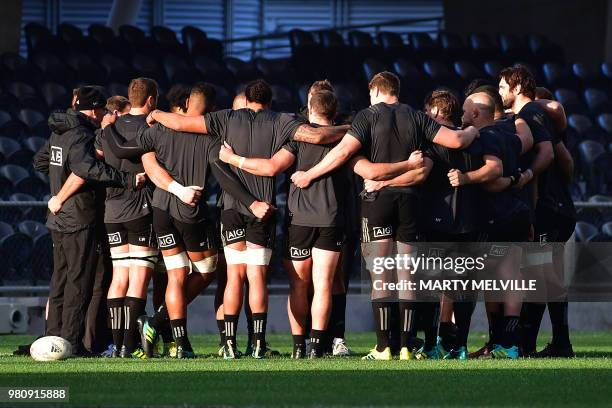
x=278, y=163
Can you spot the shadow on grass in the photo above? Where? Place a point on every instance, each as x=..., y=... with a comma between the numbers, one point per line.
x=469, y=387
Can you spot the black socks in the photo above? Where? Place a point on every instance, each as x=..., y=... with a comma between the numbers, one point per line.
x=117, y=319
x=231, y=325
x=179, y=332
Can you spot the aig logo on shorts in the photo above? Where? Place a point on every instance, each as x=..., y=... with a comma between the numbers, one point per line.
x=166, y=241
x=300, y=253
x=234, y=234
x=382, y=231
x=498, y=250
x=436, y=253
x=56, y=156
x=114, y=238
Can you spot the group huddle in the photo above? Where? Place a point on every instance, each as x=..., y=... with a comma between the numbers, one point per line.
x=394, y=176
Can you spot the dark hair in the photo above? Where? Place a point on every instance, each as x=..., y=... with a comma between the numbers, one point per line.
x=318, y=86
x=493, y=92
x=386, y=82
x=206, y=89
x=520, y=75
x=476, y=83
x=544, y=93
x=117, y=103
x=446, y=102
x=140, y=89
x=177, y=97
x=325, y=104
x=258, y=91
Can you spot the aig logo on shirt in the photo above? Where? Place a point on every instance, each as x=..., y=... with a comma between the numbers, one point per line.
x=300, y=253
x=56, y=156
x=114, y=238
x=382, y=231
x=234, y=234
x=166, y=241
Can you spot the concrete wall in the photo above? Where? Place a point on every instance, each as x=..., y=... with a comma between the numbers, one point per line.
x=577, y=25
x=10, y=25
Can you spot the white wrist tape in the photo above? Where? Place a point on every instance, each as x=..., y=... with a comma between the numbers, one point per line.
x=234, y=256
x=176, y=188
x=258, y=256
x=206, y=265
x=176, y=261
x=241, y=162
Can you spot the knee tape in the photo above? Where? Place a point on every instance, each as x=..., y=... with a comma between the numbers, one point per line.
x=206, y=265
x=144, y=258
x=234, y=256
x=258, y=256
x=176, y=261
x=120, y=259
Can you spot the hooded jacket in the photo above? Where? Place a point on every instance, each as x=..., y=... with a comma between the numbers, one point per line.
x=70, y=150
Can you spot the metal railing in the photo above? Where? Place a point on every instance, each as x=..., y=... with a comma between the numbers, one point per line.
x=257, y=46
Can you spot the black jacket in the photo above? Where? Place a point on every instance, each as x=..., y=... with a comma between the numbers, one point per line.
x=70, y=150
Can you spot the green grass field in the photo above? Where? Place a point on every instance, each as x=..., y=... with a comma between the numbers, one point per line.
x=207, y=381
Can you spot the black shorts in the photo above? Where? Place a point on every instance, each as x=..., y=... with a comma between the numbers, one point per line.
x=552, y=227
x=302, y=239
x=391, y=215
x=172, y=233
x=237, y=227
x=136, y=232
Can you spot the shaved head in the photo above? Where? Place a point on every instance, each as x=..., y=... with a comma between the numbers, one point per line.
x=478, y=110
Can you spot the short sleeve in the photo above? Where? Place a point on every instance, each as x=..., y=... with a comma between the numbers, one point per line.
x=216, y=122
x=427, y=127
x=147, y=138
x=361, y=128
x=98, y=140
x=291, y=147
x=285, y=127
x=536, y=121
x=491, y=145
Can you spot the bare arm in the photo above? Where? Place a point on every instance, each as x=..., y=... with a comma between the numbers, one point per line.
x=524, y=133
x=491, y=170
x=455, y=139
x=162, y=179
x=564, y=161
x=72, y=184
x=259, y=167
x=180, y=123
x=334, y=159
x=320, y=135
x=409, y=178
x=556, y=112
x=385, y=171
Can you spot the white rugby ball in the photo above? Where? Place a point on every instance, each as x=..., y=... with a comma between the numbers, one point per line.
x=50, y=348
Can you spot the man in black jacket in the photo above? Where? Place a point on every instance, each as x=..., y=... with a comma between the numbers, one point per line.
x=76, y=245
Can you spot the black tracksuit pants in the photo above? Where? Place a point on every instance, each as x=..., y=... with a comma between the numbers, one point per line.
x=75, y=260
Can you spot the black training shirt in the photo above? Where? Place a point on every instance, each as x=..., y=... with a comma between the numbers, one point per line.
x=251, y=134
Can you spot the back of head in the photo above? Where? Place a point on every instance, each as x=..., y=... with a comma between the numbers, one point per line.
x=118, y=104
x=519, y=75
x=204, y=95
x=475, y=84
x=259, y=92
x=139, y=91
x=177, y=98
x=485, y=104
x=322, y=85
x=386, y=82
x=324, y=104
x=544, y=93
x=493, y=92
x=446, y=103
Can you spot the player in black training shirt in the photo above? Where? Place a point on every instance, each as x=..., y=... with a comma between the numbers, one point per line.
x=554, y=210
x=129, y=226
x=388, y=132
x=316, y=226
x=506, y=215
x=252, y=132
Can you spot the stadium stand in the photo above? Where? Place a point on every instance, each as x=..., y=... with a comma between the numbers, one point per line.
x=56, y=63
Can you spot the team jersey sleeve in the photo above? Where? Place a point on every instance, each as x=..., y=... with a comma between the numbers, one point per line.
x=361, y=128
x=427, y=127
x=98, y=139
x=148, y=138
x=285, y=127
x=216, y=122
x=535, y=120
x=291, y=147
x=491, y=146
